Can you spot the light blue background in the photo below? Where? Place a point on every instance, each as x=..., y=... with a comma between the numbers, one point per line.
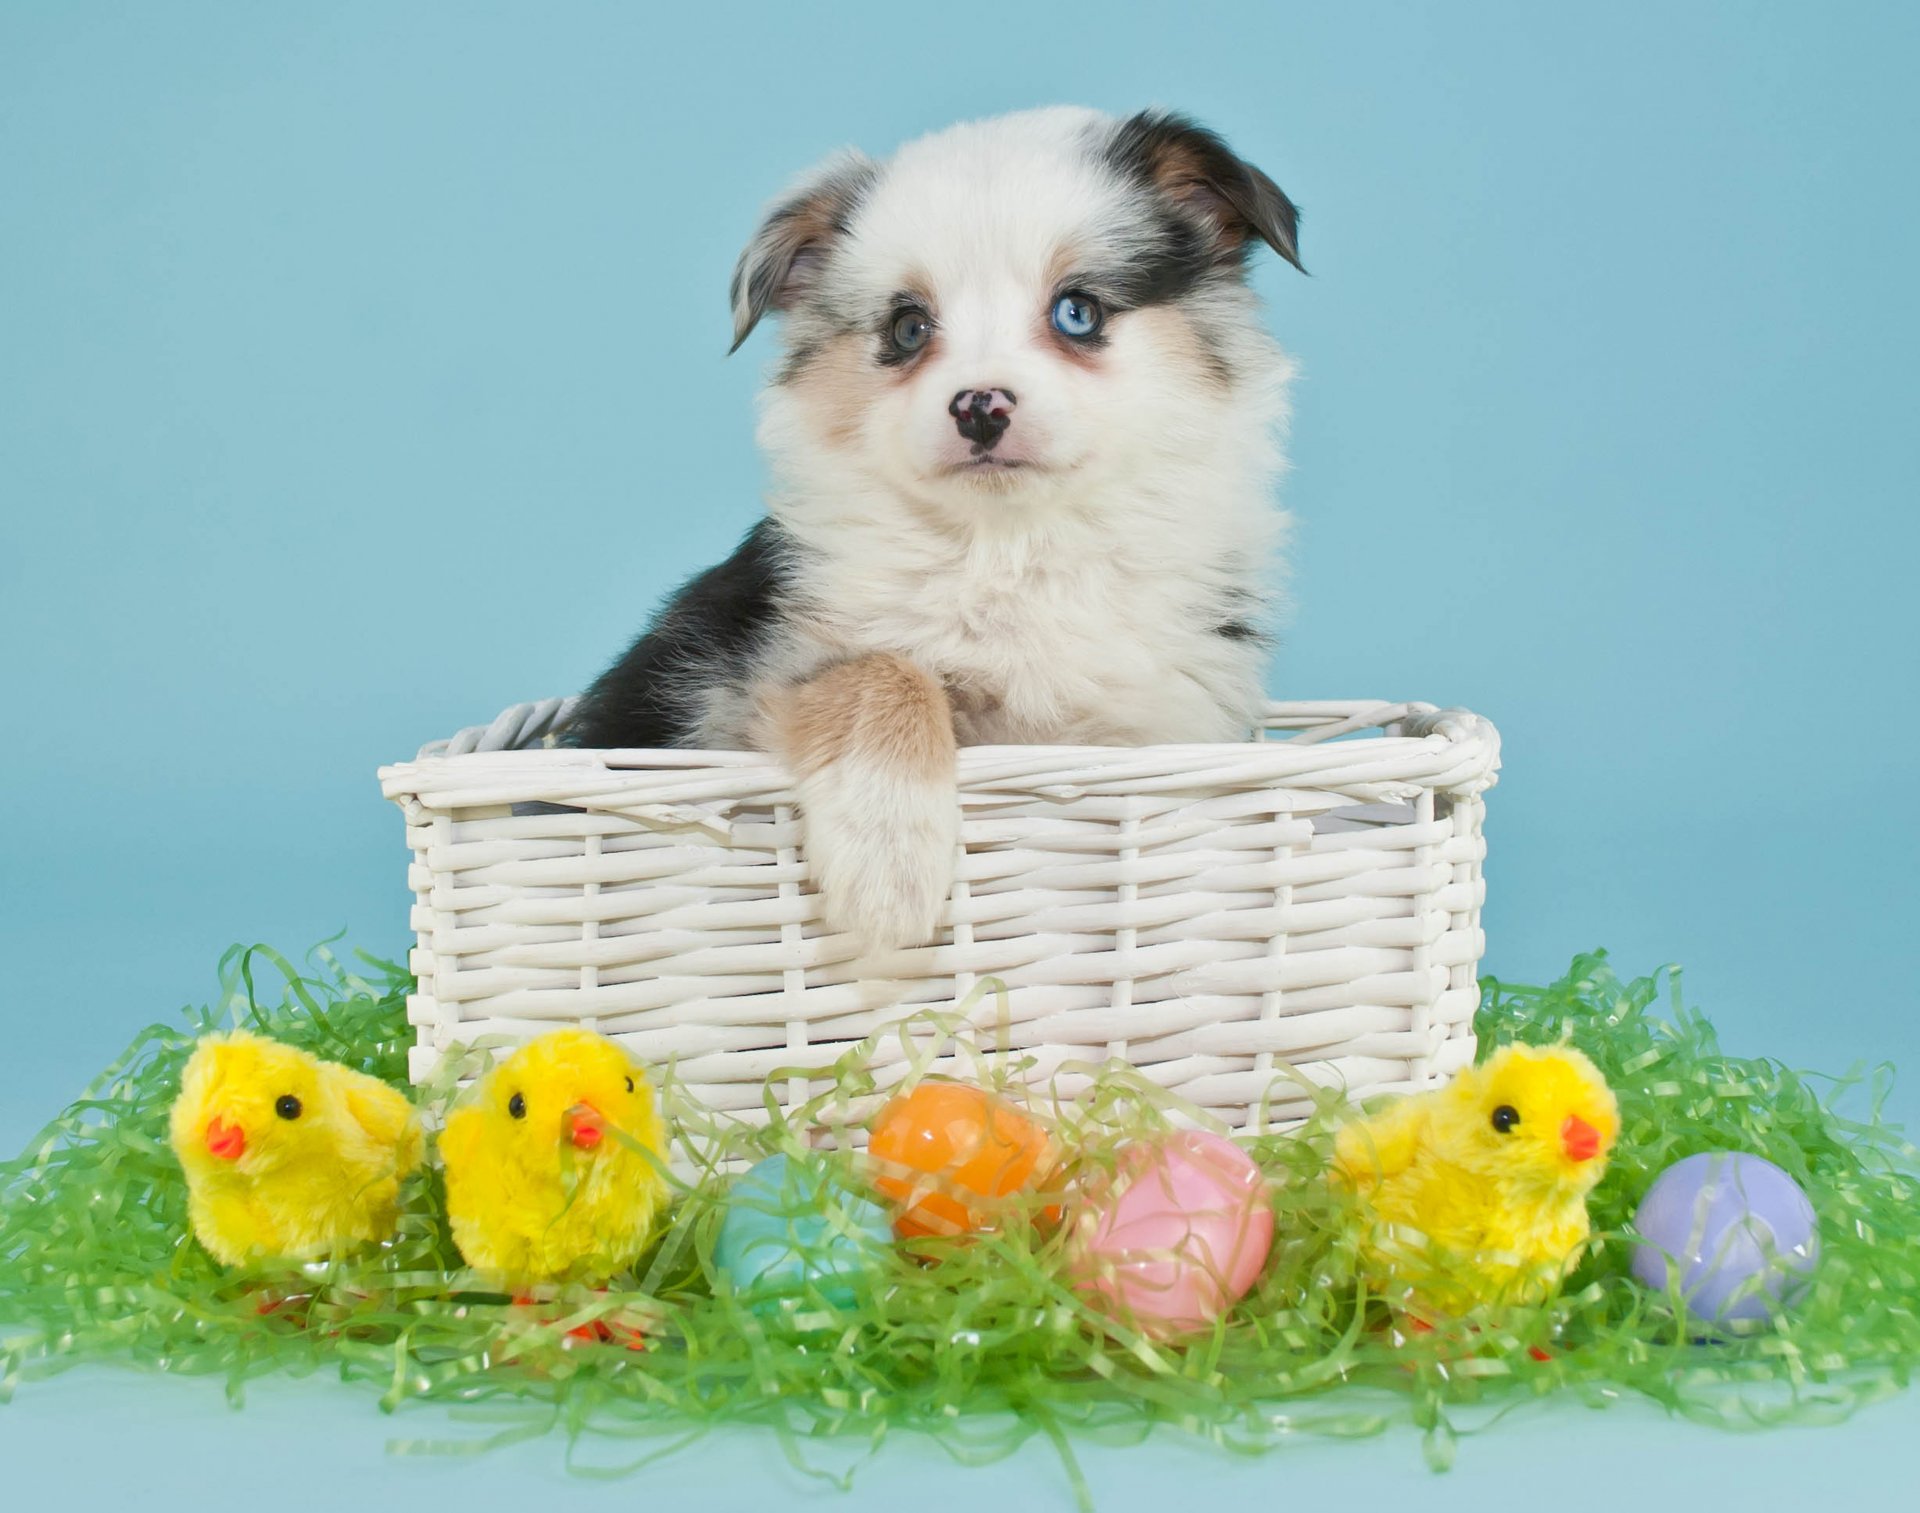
x=361, y=373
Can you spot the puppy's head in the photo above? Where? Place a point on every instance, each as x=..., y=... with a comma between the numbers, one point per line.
x=1011, y=309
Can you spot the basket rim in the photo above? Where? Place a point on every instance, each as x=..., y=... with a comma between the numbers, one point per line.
x=1418, y=747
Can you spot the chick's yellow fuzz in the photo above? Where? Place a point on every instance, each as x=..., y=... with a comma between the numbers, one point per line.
x=286, y=1155
x=543, y=1181
x=1476, y=1193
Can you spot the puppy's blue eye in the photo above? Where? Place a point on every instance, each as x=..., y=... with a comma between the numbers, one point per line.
x=1077, y=315
x=912, y=329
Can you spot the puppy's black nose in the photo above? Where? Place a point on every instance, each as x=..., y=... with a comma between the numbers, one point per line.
x=982, y=415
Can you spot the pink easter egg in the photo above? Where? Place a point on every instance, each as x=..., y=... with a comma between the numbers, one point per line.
x=1177, y=1235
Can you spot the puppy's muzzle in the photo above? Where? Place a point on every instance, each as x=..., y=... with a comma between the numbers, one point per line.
x=982, y=415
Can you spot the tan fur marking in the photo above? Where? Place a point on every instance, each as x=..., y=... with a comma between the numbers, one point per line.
x=837, y=386
x=1180, y=346
x=878, y=709
x=1181, y=173
x=1066, y=258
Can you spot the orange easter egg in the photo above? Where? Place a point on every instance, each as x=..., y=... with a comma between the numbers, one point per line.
x=945, y=1151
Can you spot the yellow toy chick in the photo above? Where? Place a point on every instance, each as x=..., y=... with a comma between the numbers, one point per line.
x=288, y=1156
x=540, y=1186
x=1477, y=1192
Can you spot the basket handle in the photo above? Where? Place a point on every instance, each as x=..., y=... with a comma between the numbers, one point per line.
x=512, y=729
x=1454, y=724
x=1392, y=719
x=1467, y=730
x=1477, y=739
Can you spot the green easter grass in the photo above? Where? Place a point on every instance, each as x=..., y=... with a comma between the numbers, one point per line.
x=979, y=1345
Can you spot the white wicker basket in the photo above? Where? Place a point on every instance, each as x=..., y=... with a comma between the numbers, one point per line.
x=1203, y=911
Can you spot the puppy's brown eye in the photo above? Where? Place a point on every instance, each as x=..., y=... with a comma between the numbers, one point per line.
x=911, y=330
x=1506, y=1118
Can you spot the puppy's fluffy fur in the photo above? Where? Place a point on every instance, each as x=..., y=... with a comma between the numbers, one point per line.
x=989, y=523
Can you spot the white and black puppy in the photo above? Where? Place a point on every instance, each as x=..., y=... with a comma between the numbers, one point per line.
x=1023, y=438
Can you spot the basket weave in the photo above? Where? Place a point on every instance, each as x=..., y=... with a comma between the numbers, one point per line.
x=1209, y=913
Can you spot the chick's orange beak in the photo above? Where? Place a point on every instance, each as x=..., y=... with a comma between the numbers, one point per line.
x=585, y=1127
x=228, y=1142
x=1579, y=1139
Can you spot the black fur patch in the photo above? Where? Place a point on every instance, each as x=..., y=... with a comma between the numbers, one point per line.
x=1177, y=257
x=1239, y=613
x=704, y=638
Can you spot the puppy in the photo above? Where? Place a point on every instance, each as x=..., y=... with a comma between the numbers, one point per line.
x=1023, y=435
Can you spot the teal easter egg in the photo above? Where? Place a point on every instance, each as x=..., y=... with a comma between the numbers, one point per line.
x=787, y=1226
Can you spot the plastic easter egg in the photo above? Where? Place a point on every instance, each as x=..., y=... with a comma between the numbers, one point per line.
x=1740, y=1229
x=944, y=1151
x=787, y=1226
x=1177, y=1235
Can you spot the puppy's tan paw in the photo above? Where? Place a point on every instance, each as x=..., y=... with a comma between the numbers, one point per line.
x=880, y=848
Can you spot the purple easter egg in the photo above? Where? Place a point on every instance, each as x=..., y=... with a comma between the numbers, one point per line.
x=1727, y=1218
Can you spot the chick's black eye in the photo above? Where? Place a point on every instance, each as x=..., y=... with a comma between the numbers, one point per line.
x=288, y=1106
x=1506, y=1118
x=1077, y=315
x=517, y=1106
x=629, y=1084
x=911, y=330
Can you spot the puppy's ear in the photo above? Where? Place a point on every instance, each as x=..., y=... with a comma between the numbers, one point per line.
x=1234, y=201
x=786, y=251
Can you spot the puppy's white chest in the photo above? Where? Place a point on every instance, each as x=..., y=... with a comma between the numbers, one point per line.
x=1074, y=652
